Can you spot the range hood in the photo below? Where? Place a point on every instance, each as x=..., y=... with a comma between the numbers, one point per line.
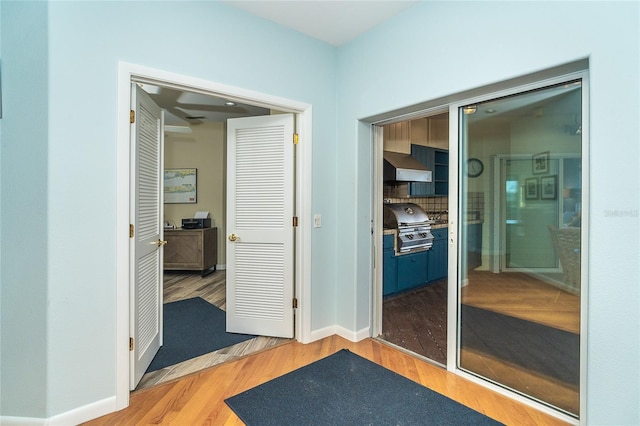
x=404, y=168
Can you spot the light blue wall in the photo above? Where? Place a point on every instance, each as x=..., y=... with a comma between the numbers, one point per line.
x=58, y=275
x=24, y=230
x=436, y=49
x=67, y=190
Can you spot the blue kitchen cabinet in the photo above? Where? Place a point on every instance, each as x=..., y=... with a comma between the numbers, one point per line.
x=407, y=271
x=412, y=270
x=441, y=172
x=436, y=160
x=438, y=263
x=389, y=266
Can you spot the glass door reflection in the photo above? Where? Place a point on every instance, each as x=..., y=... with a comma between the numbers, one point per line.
x=519, y=274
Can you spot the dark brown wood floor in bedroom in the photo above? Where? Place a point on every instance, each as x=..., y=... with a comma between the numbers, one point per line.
x=417, y=321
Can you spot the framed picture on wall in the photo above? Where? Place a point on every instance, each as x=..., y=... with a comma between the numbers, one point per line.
x=531, y=189
x=180, y=186
x=540, y=163
x=548, y=187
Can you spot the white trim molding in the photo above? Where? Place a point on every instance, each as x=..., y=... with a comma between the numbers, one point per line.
x=128, y=73
x=71, y=417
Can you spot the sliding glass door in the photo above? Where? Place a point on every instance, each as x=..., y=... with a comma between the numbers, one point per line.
x=519, y=207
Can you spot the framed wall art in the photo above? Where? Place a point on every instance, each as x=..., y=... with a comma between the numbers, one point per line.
x=180, y=186
x=531, y=189
x=548, y=187
x=540, y=163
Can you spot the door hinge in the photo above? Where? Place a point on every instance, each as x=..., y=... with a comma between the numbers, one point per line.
x=132, y=116
x=295, y=303
x=296, y=138
x=295, y=221
x=130, y=343
x=131, y=230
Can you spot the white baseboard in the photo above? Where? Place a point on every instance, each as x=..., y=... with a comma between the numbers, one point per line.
x=353, y=336
x=322, y=333
x=72, y=417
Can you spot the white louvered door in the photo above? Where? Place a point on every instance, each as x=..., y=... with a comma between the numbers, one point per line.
x=260, y=210
x=147, y=138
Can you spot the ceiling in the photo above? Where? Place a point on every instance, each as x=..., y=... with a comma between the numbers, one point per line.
x=334, y=22
x=184, y=108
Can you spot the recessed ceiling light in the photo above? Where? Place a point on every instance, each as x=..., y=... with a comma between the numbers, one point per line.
x=230, y=104
x=490, y=111
x=471, y=109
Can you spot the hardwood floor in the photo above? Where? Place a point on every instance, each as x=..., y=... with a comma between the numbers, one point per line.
x=523, y=296
x=212, y=288
x=416, y=321
x=198, y=399
x=193, y=392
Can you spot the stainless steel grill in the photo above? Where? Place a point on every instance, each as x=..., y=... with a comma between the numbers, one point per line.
x=412, y=225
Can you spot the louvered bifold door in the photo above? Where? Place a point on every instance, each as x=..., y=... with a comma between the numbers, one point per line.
x=146, y=268
x=260, y=233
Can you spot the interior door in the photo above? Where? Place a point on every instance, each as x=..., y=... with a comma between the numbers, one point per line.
x=260, y=210
x=147, y=139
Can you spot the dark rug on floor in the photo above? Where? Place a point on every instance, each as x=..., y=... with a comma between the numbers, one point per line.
x=346, y=389
x=193, y=327
x=546, y=350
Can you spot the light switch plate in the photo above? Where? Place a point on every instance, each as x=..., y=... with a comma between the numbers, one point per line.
x=317, y=221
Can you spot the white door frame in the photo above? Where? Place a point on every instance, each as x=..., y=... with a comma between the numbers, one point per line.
x=128, y=73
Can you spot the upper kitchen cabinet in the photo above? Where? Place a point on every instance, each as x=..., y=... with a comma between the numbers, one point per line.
x=427, y=140
x=397, y=137
x=429, y=131
x=436, y=160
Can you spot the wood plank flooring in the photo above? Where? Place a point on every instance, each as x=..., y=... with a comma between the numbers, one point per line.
x=523, y=296
x=416, y=321
x=212, y=288
x=198, y=399
x=163, y=396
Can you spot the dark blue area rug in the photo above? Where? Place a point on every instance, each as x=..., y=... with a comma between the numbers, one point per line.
x=346, y=389
x=546, y=350
x=193, y=327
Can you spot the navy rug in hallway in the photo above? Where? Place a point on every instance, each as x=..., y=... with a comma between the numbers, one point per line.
x=346, y=389
x=193, y=327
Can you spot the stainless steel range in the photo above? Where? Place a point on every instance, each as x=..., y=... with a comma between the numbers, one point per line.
x=412, y=225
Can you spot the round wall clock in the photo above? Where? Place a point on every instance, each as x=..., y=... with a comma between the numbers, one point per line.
x=474, y=167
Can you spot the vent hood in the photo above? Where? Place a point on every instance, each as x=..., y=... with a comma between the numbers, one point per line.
x=404, y=168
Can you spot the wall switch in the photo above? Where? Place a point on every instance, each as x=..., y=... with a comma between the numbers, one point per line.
x=317, y=221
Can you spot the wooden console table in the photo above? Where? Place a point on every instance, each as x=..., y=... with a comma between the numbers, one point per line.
x=191, y=250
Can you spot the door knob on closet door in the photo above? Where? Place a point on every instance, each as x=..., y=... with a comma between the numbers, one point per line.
x=161, y=243
x=233, y=237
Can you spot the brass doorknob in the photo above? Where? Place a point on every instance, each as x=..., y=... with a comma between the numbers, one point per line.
x=161, y=243
x=233, y=237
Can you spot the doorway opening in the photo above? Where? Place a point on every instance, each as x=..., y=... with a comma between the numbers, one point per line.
x=414, y=291
x=129, y=73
